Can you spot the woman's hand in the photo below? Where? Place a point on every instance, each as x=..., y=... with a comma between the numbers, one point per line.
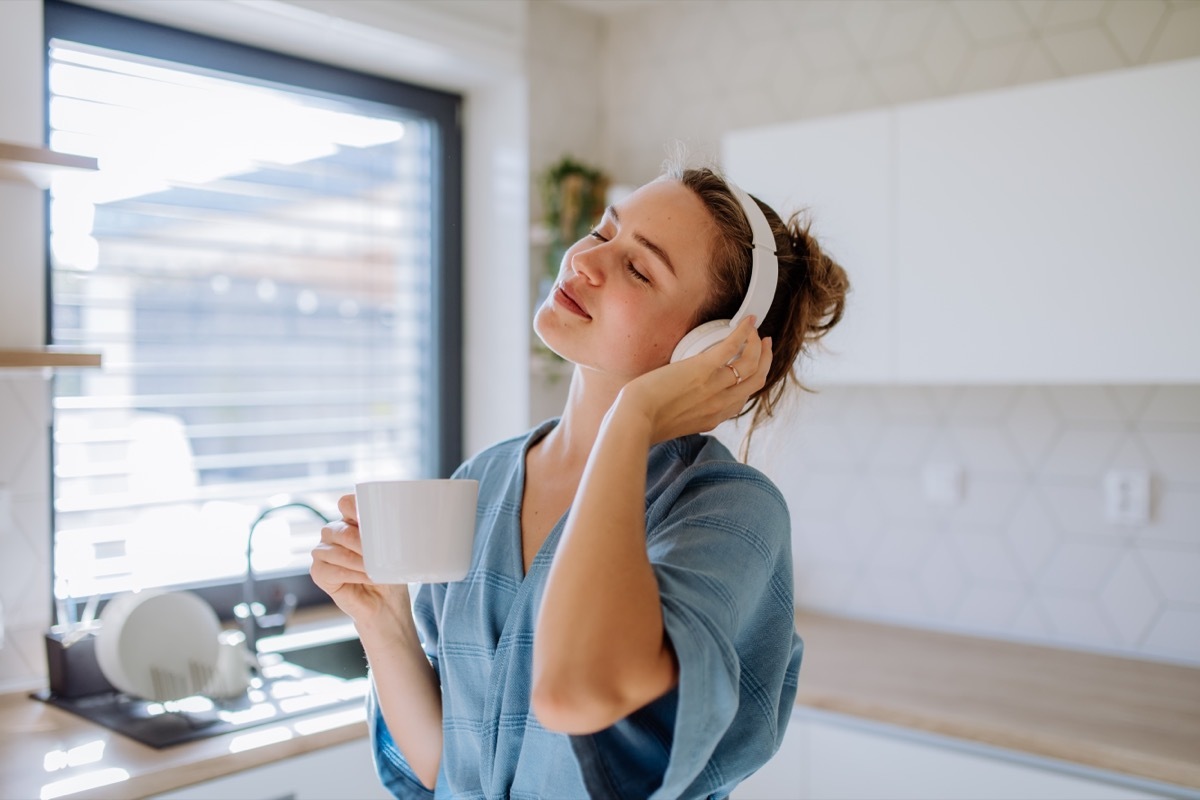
x=337, y=567
x=699, y=393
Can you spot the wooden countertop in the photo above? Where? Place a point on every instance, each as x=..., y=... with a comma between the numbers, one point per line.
x=1135, y=717
x=1124, y=715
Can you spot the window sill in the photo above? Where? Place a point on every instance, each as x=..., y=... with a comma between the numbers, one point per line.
x=47, y=357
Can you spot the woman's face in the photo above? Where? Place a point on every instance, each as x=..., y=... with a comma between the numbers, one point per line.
x=627, y=293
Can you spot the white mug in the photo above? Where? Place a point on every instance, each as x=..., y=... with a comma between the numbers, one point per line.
x=417, y=531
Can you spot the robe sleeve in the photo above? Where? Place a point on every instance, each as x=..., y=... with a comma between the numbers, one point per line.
x=393, y=769
x=722, y=557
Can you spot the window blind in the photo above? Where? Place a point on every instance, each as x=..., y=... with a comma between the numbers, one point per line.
x=254, y=262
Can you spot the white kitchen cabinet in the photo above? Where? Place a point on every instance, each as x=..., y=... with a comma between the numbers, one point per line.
x=333, y=773
x=840, y=168
x=833, y=757
x=1048, y=233
x=1038, y=234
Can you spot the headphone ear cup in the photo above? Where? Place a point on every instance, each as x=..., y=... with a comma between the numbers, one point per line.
x=700, y=339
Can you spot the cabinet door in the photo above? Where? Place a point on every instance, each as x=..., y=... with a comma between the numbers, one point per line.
x=1048, y=233
x=785, y=776
x=855, y=760
x=839, y=169
x=334, y=773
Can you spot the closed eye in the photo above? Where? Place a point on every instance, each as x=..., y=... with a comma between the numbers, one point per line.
x=634, y=272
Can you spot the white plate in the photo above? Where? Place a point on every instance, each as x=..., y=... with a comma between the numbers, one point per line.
x=158, y=645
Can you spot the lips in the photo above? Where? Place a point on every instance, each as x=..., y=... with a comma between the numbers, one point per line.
x=565, y=298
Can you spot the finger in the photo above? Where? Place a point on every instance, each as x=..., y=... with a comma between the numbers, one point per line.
x=342, y=534
x=332, y=577
x=727, y=349
x=348, y=505
x=341, y=556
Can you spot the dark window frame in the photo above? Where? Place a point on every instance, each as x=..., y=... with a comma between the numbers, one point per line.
x=63, y=20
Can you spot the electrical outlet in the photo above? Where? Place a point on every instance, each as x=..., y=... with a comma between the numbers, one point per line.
x=1127, y=496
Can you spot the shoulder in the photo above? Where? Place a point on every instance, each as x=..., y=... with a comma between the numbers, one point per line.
x=696, y=477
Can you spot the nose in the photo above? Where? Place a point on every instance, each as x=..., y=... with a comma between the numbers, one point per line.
x=589, y=262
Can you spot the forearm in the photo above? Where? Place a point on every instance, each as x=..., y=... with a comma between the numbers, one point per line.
x=600, y=651
x=409, y=693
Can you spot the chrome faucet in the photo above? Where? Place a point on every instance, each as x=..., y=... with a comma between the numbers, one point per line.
x=252, y=615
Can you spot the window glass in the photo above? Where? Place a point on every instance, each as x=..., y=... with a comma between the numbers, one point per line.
x=256, y=264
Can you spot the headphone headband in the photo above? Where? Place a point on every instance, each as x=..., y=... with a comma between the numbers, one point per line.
x=764, y=275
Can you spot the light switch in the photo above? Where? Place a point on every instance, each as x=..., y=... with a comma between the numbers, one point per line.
x=1127, y=496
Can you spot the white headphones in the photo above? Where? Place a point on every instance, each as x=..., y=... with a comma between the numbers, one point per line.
x=764, y=274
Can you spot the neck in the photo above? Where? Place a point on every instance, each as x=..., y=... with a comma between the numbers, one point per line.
x=589, y=397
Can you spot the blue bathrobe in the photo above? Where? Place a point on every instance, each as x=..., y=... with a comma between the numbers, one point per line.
x=719, y=539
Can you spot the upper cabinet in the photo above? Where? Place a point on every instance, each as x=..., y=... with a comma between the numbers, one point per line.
x=1043, y=234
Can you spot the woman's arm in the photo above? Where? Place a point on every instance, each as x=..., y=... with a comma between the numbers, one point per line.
x=600, y=648
x=405, y=682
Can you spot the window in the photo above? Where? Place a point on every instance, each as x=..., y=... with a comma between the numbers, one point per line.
x=266, y=260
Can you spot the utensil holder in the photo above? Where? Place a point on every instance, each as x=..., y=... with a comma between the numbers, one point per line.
x=73, y=669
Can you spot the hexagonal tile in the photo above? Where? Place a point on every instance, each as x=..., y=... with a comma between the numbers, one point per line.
x=1175, y=635
x=1175, y=518
x=1079, y=566
x=990, y=607
x=20, y=432
x=1170, y=405
x=1130, y=600
x=1036, y=65
x=862, y=421
x=941, y=581
x=902, y=497
x=1077, y=508
x=826, y=587
x=899, y=599
x=1174, y=573
x=901, y=81
x=22, y=659
x=1081, y=453
x=986, y=557
x=1176, y=454
x=827, y=50
x=1179, y=36
x=1081, y=52
x=904, y=28
x=1073, y=13
x=17, y=575
x=1031, y=622
x=1083, y=405
x=1032, y=424
x=1032, y=535
x=900, y=550
x=988, y=449
x=900, y=446
x=907, y=404
x=863, y=24
x=1131, y=399
x=1132, y=23
x=993, y=66
x=988, y=504
x=1077, y=620
x=945, y=49
x=990, y=21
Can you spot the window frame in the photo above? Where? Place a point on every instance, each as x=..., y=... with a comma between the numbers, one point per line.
x=444, y=437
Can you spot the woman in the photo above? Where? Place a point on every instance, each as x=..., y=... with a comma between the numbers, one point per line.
x=626, y=629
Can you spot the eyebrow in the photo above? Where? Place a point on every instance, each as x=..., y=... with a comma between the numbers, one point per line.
x=642, y=240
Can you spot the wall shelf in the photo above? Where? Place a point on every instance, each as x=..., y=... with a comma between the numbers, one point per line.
x=46, y=357
x=37, y=165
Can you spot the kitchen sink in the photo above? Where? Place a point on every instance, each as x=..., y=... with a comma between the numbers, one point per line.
x=333, y=650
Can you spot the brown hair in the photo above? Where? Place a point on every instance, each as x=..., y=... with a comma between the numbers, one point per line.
x=809, y=299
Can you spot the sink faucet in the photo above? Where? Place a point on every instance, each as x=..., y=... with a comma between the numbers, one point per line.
x=252, y=615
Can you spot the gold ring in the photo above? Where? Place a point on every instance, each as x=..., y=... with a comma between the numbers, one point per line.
x=737, y=377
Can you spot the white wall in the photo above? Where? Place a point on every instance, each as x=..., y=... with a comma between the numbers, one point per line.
x=1027, y=554
x=476, y=47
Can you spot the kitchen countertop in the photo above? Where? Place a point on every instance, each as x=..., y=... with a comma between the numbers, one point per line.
x=1140, y=718
x=1135, y=717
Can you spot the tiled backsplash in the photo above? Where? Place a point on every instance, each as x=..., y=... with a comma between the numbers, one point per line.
x=24, y=525
x=1026, y=552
